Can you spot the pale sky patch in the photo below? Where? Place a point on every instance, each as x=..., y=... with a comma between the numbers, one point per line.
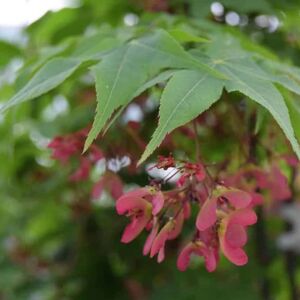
x=19, y=13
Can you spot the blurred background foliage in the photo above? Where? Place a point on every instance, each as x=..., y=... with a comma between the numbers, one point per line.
x=56, y=243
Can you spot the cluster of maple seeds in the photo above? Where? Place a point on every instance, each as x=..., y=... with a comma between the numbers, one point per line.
x=225, y=209
x=224, y=215
x=70, y=146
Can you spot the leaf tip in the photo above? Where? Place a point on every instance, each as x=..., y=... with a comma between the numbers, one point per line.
x=141, y=160
x=87, y=144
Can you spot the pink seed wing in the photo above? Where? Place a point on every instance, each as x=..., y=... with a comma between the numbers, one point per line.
x=238, y=198
x=236, y=255
x=157, y=202
x=279, y=186
x=161, y=255
x=150, y=239
x=207, y=215
x=186, y=210
x=115, y=187
x=126, y=203
x=139, y=192
x=210, y=259
x=244, y=217
x=257, y=199
x=185, y=256
x=236, y=235
x=177, y=226
x=160, y=240
x=133, y=229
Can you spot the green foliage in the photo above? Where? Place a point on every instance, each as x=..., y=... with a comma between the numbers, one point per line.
x=125, y=70
x=48, y=77
x=125, y=67
x=187, y=95
x=8, y=52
